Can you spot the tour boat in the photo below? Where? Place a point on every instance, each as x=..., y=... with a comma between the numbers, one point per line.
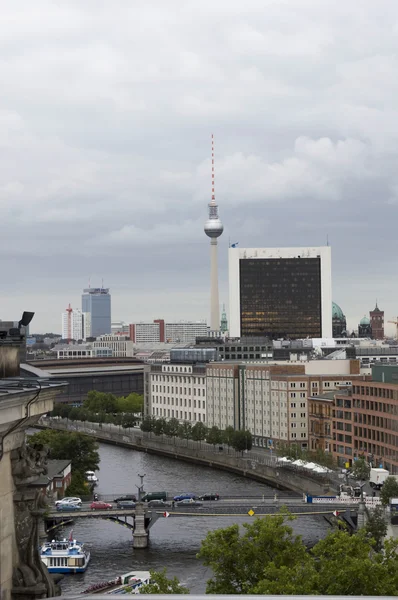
x=65, y=556
x=91, y=477
x=129, y=583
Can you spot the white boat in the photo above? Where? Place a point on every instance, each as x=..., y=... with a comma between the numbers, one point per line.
x=91, y=477
x=126, y=584
x=65, y=556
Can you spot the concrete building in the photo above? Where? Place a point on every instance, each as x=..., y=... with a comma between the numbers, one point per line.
x=145, y=333
x=176, y=391
x=271, y=400
x=213, y=229
x=120, y=328
x=184, y=332
x=96, y=308
x=280, y=292
x=377, y=323
x=76, y=324
x=120, y=345
x=68, y=351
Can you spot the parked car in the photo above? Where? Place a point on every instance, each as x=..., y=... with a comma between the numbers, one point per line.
x=126, y=504
x=189, y=502
x=186, y=496
x=131, y=497
x=209, y=496
x=100, y=505
x=69, y=500
x=158, y=503
x=68, y=507
x=154, y=496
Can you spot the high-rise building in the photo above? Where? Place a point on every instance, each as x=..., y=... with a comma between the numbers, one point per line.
x=213, y=229
x=72, y=324
x=96, y=306
x=280, y=292
x=377, y=323
x=184, y=332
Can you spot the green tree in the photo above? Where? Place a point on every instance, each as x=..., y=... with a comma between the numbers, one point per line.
x=159, y=426
x=160, y=584
x=376, y=526
x=78, y=486
x=360, y=469
x=97, y=402
x=133, y=403
x=238, y=560
x=171, y=427
x=74, y=414
x=185, y=431
x=389, y=490
x=199, y=432
x=228, y=436
x=80, y=448
x=242, y=440
x=214, y=436
x=128, y=420
x=147, y=424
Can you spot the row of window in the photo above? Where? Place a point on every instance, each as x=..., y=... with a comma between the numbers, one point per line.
x=196, y=391
x=172, y=402
x=376, y=406
x=182, y=415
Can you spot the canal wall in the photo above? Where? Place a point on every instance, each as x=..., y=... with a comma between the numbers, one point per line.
x=254, y=464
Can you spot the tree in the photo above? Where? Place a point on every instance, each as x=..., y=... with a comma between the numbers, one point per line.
x=160, y=584
x=78, y=486
x=80, y=448
x=238, y=560
x=74, y=414
x=214, y=436
x=185, y=431
x=128, y=420
x=376, y=526
x=100, y=402
x=133, y=403
x=228, y=436
x=159, y=426
x=242, y=440
x=360, y=469
x=171, y=427
x=199, y=431
x=147, y=423
x=389, y=490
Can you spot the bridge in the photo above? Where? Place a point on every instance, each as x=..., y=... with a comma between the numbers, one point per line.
x=141, y=519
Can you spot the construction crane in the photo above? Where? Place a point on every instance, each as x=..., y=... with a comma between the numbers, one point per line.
x=396, y=325
x=69, y=310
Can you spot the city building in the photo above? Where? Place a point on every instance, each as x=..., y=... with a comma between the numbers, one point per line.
x=176, y=391
x=213, y=229
x=120, y=328
x=224, y=321
x=339, y=322
x=96, y=308
x=57, y=478
x=271, y=400
x=72, y=324
x=120, y=345
x=66, y=351
x=364, y=328
x=377, y=323
x=280, y=293
x=184, y=332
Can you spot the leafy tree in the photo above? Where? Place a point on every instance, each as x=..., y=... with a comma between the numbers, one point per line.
x=160, y=584
x=376, y=526
x=171, y=427
x=100, y=402
x=78, y=485
x=228, y=436
x=242, y=440
x=80, y=448
x=133, y=403
x=61, y=410
x=389, y=490
x=185, y=431
x=74, y=414
x=238, y=560
x=128, y=420
x=148, y=423
x=159, y=426
x=199, y=432
x=360, y=469
x=214, y=436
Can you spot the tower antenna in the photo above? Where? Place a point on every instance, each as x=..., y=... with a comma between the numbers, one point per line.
x=213, y=194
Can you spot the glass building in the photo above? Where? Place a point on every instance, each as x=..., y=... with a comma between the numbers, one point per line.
x=280, y=293
x=96, y=306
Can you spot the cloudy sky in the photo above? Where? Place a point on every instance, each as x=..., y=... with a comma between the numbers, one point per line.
x=106, y=115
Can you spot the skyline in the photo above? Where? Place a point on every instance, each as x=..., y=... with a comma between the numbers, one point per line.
x=105, y=122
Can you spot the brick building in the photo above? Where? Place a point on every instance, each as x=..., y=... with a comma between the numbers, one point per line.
x=377, y=323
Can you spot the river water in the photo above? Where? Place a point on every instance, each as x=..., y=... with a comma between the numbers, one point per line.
x=173, y=543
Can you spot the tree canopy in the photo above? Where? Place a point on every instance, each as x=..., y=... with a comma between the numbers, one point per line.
x=360, y=469
x=268, y=558
x=389, y=490
x=160, y=584
x=81, y=449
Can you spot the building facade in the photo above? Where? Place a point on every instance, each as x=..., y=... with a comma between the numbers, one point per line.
x=339, y=322
x=176, y=391
x=96, y=306
x=377, y=323
x=76, y=324
x=120, y=345
x=81, y=351
x=280, y=292
x=364, y=328
x=184, y=332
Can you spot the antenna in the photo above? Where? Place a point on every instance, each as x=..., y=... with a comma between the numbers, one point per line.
x=89, y=282
x=327, y=239
x=213, y=195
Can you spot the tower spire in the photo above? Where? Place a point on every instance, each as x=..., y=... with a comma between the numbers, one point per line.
x=213, y=193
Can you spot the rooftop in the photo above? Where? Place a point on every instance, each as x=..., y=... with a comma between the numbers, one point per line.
x=19, y=385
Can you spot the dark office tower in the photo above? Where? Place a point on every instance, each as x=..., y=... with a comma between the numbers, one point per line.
x=280, y=292
x=96, y=308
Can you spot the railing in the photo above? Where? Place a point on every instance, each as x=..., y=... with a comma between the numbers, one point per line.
x=226, y=597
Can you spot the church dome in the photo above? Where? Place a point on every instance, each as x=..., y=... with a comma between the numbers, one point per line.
x=337, y=313
x=364, y=321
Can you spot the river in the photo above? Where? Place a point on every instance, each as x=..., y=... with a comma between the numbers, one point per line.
x=173, y=543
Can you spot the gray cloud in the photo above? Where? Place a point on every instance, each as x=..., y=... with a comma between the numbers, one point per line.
x=106, y=111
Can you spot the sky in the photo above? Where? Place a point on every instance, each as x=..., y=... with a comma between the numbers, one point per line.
x=106, y=115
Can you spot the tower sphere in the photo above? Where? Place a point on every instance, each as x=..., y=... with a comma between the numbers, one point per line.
x=213, y=228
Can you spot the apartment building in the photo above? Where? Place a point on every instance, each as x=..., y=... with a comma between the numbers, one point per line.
x=184, y=332
x=120, y=345
x=176, y=391
x=271, y=401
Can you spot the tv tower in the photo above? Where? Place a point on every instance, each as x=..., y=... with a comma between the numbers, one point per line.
x=213, y=228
